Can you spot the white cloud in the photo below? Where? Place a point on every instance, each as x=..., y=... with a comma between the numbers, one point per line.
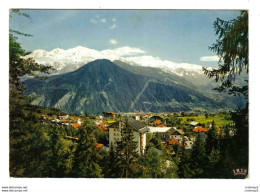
x=93, y=21
x=209, y=58
x=113, y=26
x=113, y=19
x=113, y=41
x=103, y=20
x=123, y=51
x=96, y=20
x=150, y=61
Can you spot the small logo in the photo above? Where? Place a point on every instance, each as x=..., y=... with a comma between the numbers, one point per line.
x=240, y=171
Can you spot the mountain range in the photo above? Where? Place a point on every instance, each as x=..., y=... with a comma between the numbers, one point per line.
x=71, y=59
x=103, y=85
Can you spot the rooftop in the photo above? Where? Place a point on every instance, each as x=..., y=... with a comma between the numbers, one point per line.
x=158, y=129
x=174, y=130
x=157, y=122
x=99, y=145
x=75, y=125
x=173, y=141
x=135, y=125
x=194, y=123
x=200, y=129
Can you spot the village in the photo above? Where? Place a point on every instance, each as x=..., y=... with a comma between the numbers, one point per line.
x=168, y=127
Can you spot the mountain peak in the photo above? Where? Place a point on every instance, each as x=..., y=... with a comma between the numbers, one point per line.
x=101, y=61
x=100, y=66
x=71, y=59
x=102, y=85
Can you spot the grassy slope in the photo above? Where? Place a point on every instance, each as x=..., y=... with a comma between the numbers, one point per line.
x=219, y=119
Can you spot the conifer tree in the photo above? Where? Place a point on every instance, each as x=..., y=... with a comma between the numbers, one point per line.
x=198, y=156
x=19, y=67
x=157, y=141
x=127, y=150
x=26, y=136
x=212, y=141
x=112, y=167
x=62, y=150
x=184, y=163
x=241, y=137
x=86, y=156
x=232, y=49
x=223, y=168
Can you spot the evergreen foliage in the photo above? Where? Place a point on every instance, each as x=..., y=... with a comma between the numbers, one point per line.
x=127, y=150
x=212, y=141
x=156, y=165
x=28, y=138
x=173, y=121
x=86, y=156
x=184, y=165
x=112, y=164
x=157, y=141
x=232, y=49
x=198, y=156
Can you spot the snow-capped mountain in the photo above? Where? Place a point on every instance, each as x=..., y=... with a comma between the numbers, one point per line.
x=134, y=64
x=71, y=59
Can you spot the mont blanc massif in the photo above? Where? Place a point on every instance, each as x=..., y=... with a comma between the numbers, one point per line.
x=120, y=80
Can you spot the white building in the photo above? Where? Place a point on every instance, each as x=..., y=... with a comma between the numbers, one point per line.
x=162, y=130
x=193, y=124
x=139, y=130
x=158, y=129
x=64, y=117
x=189, y=141
x=137, y=117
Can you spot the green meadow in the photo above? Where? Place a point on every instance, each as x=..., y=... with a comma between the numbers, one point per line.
x=219, y=119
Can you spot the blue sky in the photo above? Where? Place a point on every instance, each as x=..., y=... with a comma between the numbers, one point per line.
x=174, y=35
